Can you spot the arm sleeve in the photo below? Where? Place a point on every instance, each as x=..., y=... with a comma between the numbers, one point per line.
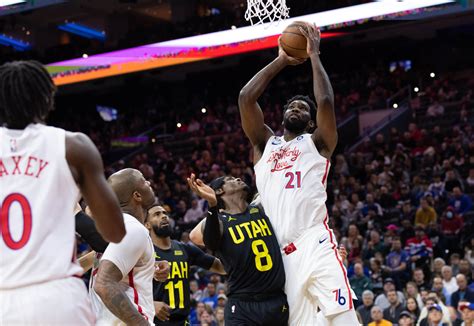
x=198, y=257
x=85, y=226
x=127, y=252
x=212, y=234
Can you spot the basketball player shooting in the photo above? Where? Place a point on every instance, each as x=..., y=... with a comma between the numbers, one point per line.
x=291, y=174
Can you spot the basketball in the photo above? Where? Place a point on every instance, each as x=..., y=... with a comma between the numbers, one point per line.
x=293, y=42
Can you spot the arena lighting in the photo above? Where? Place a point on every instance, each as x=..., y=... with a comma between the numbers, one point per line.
x=83, y=31
x=432, y=75
x=218, y=44
x=10, y=2
x=178, y=125
x=14, y=43
x=395, y=105
x=416, y=89
x=203, y=110
x=85, y=56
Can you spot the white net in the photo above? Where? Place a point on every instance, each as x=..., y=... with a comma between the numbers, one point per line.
x=263, y=11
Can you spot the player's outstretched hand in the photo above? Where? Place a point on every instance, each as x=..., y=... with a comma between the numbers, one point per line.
x=162, y=311
x=162, y=270
x=202, y=190
x=291, y=61
x=313, y=35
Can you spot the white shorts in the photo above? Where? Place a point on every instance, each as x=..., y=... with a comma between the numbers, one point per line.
x=59, y=302
x=315, y=277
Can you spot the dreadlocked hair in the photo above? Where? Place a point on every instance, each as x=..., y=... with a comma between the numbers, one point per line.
x=307, y=99
x=26, y=93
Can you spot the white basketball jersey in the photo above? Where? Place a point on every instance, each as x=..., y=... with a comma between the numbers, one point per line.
x=37, y=198
x=291, y=180
x=134, y=257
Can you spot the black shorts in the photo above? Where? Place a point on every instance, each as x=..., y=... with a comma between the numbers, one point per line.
x=242, y=312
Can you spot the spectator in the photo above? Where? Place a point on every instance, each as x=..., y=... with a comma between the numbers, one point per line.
x=419, y=248
x=449, y=281
x=411, y=291
x=360, y=282
x=425, y=214
x=406, y=319
x=373, y=245
x=419, y=278
x=377, y=317
x=396, y=263
x=470, y=181
x=211, y=298
x=195, y=315
x=432, y=299
x=365, y=309
x=436, y=188
x=463, y=293
x=382, y=299
x=467, y=312
x=392, y=313
x=413, y=308
x=193, y=214
x=451, y=181
x=451, y=225
x=439, y=289
x=221, y=300
x=220, y=316
x=435, y=317
x=370, y=204
x=196, y=293
x=454, y=317
x=435, y=109
x=376, y=275
x=207, y=317
x=454, y=260
x=462, y=203
x=438, y=264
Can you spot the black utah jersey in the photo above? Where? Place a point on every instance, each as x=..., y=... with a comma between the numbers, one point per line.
x=250, y=253
x=175, y=291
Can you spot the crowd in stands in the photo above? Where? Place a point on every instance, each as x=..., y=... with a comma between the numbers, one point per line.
x=401, y=203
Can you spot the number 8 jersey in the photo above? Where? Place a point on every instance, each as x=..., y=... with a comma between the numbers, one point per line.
x=37, y=198
x=291, y=179
x=250, y=253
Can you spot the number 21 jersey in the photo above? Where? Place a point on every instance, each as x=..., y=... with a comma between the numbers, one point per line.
x=291, y=179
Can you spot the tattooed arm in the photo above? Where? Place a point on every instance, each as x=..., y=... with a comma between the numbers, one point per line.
x=108, y=288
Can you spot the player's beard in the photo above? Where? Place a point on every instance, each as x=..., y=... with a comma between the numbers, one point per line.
x=162, y=232
x=295, y=126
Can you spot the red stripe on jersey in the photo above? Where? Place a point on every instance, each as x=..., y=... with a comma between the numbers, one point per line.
x=338, y=260
x=135, y=293
x=325, y=172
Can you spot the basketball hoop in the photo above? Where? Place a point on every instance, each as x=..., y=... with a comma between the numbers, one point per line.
x=263, y=11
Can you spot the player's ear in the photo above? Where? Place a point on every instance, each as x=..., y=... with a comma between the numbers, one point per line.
x=137, y=196
x=311, y=126
x=148, y=225
x=219, y=191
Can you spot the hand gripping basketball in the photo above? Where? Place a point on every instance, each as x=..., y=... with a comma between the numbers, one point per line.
x=313, y=36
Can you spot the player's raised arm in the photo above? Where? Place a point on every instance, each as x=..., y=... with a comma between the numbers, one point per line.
x=325, y=135
x=250, y=112
x=210, y=232
x=86, y=166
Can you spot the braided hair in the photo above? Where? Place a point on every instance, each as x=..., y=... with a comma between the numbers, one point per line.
x=26, y=93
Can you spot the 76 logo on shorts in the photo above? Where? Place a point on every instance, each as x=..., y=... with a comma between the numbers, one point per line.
x=339, y=298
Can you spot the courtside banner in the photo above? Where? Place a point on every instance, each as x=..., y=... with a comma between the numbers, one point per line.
x=224, y=43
